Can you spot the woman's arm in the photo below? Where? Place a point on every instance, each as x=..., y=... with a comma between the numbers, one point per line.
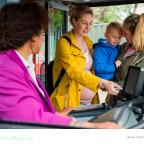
x=74, y=71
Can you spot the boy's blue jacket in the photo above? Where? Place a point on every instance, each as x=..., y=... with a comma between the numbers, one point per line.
x=105, y=55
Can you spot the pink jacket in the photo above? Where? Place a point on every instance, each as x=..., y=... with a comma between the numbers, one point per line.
x=20, y=99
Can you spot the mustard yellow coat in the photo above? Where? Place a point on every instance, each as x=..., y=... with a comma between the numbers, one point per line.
x=73, y=61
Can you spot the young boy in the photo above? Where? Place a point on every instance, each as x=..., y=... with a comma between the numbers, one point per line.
x=106, y=52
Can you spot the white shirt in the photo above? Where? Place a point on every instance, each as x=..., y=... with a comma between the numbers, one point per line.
x=86, y=54
x=30, y=67
x=87, y=94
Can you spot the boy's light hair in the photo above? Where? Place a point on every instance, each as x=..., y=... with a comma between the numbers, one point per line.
x=138, y=38
x=114, y=25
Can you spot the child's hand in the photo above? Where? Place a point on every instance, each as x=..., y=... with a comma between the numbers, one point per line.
x=117, y=63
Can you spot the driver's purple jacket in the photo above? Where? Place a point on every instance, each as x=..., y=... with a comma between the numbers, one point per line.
x=20, y=98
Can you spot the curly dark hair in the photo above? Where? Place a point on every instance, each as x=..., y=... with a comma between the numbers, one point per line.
x=19, y=22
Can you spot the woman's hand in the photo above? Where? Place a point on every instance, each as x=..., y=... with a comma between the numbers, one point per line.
x=111, y=87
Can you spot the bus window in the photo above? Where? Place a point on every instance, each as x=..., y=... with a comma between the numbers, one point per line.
x=56, y=28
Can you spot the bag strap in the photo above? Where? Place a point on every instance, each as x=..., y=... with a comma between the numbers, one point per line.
x=63, y=70
x=68, y=39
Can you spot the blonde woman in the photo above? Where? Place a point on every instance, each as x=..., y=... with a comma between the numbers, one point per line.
x=132, y=52
x=78, y=85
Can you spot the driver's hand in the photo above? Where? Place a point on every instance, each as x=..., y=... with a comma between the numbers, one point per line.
x=65, y=111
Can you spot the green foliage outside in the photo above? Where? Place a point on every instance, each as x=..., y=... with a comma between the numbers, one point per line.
x=56, y=17
x=112, y=13
x=115, y=13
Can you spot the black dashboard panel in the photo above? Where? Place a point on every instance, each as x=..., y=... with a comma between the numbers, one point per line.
x=127, y=115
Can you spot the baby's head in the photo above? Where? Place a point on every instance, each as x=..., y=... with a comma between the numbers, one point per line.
x=114, y=33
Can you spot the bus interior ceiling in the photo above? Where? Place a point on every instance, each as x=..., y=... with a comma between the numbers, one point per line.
x=95, y=3
x=91, y=3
